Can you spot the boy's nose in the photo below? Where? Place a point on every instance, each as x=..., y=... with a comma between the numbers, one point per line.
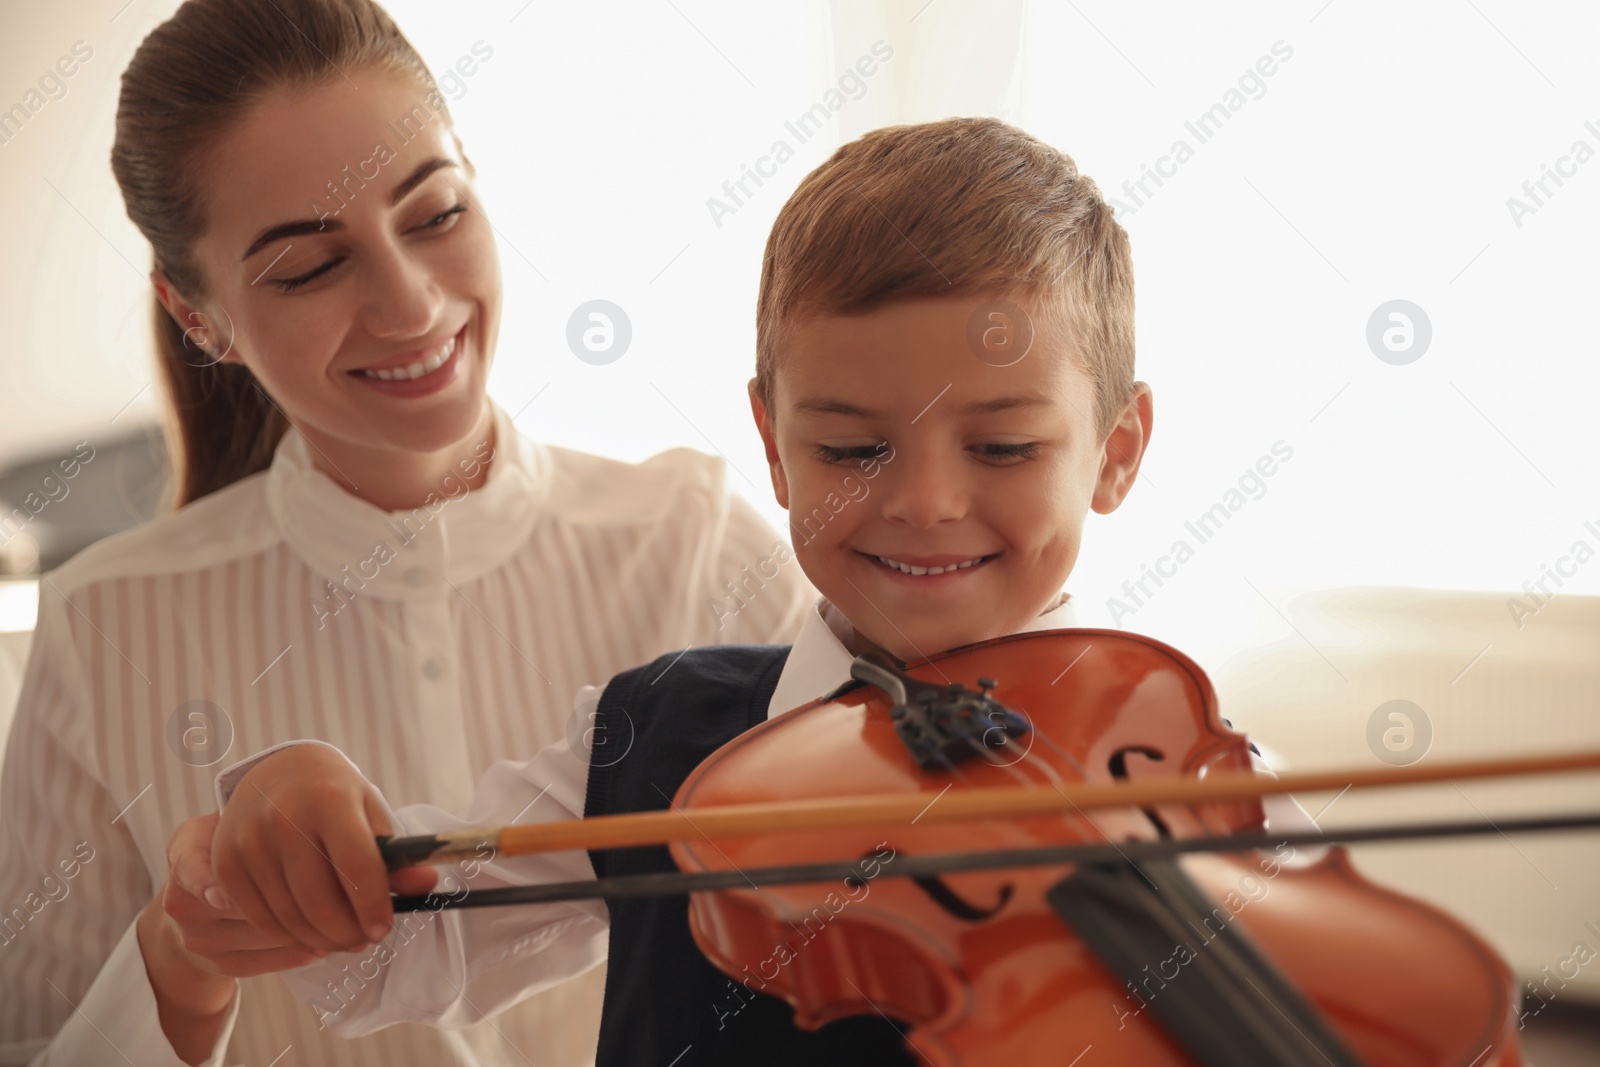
x=924, y=492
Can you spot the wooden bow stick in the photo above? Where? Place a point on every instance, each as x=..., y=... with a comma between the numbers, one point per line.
x=835, y=813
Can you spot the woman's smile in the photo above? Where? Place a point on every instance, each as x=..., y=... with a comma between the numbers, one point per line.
x=416, y=376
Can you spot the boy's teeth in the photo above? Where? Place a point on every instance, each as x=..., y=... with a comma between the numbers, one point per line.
x=907, y=568
x=417, y=369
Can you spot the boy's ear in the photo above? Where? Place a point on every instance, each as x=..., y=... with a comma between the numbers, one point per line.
x=780, y=482
x=1124, y=450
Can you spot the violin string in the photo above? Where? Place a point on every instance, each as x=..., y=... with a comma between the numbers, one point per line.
x=1079, y=814
x=995, y=761
x=1081, y=822
x=1077, y=819
x=1082, y=819
x=677, y=882
x=1027, y=758
x=955, y=770
x=1063, y=753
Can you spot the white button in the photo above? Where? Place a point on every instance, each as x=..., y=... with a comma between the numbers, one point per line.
x=417, y=577
x=433, y=668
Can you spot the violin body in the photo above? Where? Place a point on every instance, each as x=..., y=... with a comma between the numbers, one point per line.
x=979, y=965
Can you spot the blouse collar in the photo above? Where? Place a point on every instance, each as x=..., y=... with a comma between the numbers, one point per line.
x=453, y=537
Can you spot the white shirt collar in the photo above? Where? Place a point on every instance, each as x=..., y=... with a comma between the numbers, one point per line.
x=819, y=663
x=408, y=554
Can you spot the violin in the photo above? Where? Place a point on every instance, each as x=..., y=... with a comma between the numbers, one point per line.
x=1058, y=860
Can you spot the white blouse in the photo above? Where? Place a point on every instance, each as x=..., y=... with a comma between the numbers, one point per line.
x=426, y=645
x=452, y=968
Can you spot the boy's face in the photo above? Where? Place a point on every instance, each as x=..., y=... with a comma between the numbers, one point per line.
x=891, y=439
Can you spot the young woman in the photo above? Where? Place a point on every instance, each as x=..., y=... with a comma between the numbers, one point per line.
x=365, y=550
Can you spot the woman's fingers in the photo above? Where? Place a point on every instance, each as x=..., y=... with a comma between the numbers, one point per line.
x=353, y=848
x=189, y=860
x=325, y=884
x=270, y=857
x=294, y=877
x=413, y=881
x=228, y=863
x=250, y=860
x=295, y=851
x=228, y=945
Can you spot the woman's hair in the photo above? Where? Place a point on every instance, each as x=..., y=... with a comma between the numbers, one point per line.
x=191, y=79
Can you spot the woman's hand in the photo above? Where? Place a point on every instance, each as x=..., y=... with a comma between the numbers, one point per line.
x=193, y=952
x=191, y=999
x=295, y=855
x=195, y=944
x=216, y=937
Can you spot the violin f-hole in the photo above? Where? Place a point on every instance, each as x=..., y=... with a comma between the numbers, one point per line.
x=947, y=898
x=1118, y=765
x=952, y=902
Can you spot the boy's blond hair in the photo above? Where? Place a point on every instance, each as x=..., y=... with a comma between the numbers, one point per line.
x=966, y=205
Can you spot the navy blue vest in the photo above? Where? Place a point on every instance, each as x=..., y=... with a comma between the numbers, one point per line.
x=665, y=1004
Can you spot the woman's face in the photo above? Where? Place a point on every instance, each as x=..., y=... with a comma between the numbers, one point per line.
x=350, y=266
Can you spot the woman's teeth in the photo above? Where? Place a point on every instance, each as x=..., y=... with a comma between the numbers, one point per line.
x=907, y=568
x=417, y=369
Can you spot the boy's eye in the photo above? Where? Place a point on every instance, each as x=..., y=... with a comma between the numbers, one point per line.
x=833, y=454
x=1025, y=450
x=442, y=221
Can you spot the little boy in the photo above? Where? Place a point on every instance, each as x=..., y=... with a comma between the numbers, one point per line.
x=944, y=388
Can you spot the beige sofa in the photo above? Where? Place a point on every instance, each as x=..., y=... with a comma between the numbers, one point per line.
x=1308, y=686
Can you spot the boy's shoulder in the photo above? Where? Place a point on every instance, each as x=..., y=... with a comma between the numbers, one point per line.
x=656, y=723
x=706, y=673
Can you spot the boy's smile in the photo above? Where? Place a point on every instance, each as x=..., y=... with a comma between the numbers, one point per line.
x=900, y=453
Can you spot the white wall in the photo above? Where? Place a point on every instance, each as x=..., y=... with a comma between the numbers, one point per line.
x=1376, y=164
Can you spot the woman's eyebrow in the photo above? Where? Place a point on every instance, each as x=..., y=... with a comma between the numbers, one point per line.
x=325, y=225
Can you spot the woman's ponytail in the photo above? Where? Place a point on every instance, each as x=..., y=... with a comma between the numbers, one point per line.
x=221, y=426
x=193, y=77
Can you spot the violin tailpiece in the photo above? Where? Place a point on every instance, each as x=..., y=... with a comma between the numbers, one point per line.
x=942, y=725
